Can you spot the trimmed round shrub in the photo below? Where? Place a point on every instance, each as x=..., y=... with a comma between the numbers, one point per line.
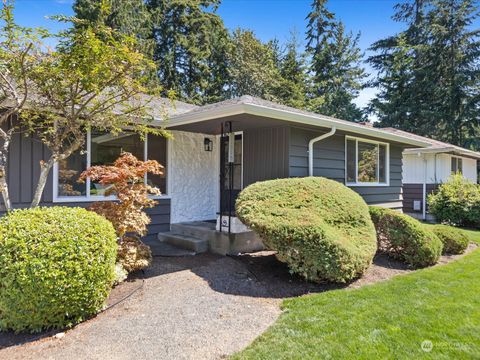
x=319, y=227
x=456, y=202
x=405, y=238
x=454, y=240
x=57, y=266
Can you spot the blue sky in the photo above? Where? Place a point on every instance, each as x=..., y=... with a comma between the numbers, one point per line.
x=268, y=18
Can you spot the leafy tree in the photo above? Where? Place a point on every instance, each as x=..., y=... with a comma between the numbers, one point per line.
x=92, y=80
x=253, y=67
x=336, y=74
x=19, y=51
x=190, y=47
x=129, y=17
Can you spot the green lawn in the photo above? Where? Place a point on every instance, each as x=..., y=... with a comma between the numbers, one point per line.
x=385, y=320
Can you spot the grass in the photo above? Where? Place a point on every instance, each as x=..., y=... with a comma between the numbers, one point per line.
x=385, y=320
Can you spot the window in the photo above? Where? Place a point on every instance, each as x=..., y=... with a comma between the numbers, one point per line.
x=103, y=149
x=457, y=165
x=366, y=162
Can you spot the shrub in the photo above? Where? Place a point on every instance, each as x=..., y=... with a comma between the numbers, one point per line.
x=133, y=254
x=319, y=227
x=56, y=267
x=454, y=240
x=405, y=238
x=456, y=202
x=126, y=180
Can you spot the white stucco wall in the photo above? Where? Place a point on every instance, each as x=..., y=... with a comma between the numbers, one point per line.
x=413, y=168
x=192, y=177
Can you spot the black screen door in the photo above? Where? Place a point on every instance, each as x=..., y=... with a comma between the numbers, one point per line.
x=231, y=175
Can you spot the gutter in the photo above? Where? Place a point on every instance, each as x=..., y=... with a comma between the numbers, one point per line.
x=316, y=120
x=310, y=148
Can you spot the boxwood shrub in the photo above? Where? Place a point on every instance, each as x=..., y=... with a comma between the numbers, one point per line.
x=454, y=240
x=57, y=266
x=319, y=227
x=405, y=238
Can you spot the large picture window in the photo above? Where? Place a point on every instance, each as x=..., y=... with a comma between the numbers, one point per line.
x=366, y=162
x=103, y=149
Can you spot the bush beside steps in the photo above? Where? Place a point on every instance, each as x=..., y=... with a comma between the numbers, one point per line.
x=57, y=266
x=405, y=238
x=319, y=227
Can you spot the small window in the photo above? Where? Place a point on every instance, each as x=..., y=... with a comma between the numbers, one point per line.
x=457, y=165
x=366, y=162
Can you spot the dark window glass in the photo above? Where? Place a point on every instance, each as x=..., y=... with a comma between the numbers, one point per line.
x=457, y=165
x=69, y=171
x=382, y=163
x=106, y=148
x=351, y=161
x=367, y=162
x=157, y=150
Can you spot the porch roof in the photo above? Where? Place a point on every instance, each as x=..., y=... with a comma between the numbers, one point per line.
x=248, y=112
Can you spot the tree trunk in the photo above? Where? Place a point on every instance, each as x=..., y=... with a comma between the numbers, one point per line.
x=6, y=136
x=42, y=180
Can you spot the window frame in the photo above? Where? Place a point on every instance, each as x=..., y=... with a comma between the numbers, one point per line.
x=387, y=162
x=94, y=198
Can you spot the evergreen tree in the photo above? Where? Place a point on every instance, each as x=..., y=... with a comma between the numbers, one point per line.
x=336, y=74
x=253, y=67
x=292, y=90
x=191, y=44
x=428, y=74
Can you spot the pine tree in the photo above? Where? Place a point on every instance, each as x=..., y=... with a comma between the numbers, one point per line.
x=253, y=67
x=292, y=90
x=455, y=55
x=428, y=74
x=191, y=44
x=336, y=74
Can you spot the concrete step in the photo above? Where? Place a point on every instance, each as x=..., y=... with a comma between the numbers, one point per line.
x=184, y=242
x=196, y=230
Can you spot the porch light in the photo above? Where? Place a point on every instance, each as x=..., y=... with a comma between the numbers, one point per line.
x=208, y=144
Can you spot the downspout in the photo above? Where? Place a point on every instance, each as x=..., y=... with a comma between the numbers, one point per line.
x=424, y=205
x=310, y=148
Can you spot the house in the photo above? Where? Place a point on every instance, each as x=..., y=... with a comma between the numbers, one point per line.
x=217, y=150
x=425, y=168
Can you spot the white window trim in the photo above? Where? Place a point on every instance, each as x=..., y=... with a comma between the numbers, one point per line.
x=387, y=163
x=88, y=197
x=457, y=158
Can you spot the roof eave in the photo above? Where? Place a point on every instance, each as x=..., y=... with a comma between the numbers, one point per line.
x=317, y=120
x=444, y=150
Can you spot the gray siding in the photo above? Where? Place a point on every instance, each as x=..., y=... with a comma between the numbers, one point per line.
x=329, y=162
x=265, y=154
x=412, y=192
x=23, y=172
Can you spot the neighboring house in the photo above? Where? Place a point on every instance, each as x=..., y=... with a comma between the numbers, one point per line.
x=425, y=168
x=219, y=149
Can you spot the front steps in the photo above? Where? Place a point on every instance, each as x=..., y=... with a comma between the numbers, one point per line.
x=202, y=236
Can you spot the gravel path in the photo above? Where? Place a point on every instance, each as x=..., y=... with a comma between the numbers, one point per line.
x=196, y=307
x=176, y=315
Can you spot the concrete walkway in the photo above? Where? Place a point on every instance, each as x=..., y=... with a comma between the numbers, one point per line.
x=188, y=308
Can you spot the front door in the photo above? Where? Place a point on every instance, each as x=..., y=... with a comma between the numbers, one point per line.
x=231, y=172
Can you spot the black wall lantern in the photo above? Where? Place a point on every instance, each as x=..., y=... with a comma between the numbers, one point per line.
x=208, y=144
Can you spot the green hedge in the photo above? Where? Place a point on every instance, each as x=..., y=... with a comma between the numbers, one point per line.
x=405, y=238
x=456, y=202
x=56, y=267
x=454, y=240
x=319, y=227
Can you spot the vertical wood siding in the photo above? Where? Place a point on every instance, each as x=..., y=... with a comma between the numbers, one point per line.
x=265, y=154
